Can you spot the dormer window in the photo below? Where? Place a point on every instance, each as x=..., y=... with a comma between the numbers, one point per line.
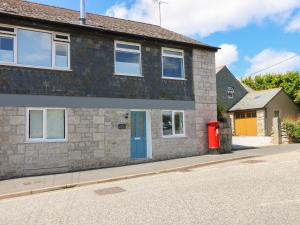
x=34, y=48
x=230, y=92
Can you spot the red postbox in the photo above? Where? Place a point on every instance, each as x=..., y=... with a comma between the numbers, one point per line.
x=213, y=135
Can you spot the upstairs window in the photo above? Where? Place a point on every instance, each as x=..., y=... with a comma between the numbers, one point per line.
x=6, y=49
x=7, y=44
x=128, y=59
x=62, y=49
x=230, y=92
x=34, y=48
x=61, y=55
x=172, y=63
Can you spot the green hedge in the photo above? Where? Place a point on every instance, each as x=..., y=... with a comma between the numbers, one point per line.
x=292, y=128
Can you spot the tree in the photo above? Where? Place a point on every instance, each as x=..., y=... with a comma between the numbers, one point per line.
x=289, y=82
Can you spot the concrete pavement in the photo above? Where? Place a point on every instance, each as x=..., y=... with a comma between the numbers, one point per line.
x=260, y=191
x=31, y=185
x=246, y=142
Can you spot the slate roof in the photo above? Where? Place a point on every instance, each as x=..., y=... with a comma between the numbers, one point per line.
x=256, y=99
x=219, y=68
x=104, y=23
x=246, y=87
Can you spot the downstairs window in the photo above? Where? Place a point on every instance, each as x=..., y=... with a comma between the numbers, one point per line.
x=173, y=123
x=46, y=124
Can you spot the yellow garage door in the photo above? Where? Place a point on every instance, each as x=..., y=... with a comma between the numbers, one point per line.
x=245, y=123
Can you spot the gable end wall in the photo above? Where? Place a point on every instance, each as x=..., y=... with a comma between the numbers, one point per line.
x=205, y=94
x=286, y=107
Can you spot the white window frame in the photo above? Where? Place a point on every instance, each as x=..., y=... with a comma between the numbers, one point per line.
x=53, y=50
x=172, y=56
x=128, y=50
x=174, y=135
x=44, y=139
x=54, y=54
x=12, y=36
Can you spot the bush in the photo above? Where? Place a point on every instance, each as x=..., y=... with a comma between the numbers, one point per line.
x=292, y=130
x=220, y=111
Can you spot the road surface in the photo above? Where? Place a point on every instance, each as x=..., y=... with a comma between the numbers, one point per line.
x=260, y=191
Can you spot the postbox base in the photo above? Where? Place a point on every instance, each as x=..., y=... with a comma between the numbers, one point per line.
x=214, y=151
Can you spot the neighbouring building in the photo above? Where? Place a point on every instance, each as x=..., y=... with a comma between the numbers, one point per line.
x=252, y=112
x=107, y=92
x=253, y=115
x=229, y=88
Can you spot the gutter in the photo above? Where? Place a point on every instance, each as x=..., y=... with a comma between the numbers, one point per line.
x=89, y=27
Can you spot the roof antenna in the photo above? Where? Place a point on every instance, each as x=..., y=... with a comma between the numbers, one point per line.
x=159, y=2
x=82, y=18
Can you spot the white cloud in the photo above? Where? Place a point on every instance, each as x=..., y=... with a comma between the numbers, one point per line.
x=206, y=17
x=227, y=55
x=269, y=57
x=294, y=24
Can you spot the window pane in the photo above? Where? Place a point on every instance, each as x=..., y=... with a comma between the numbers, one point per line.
x=170, y=52
x=61, y=55
x=167, y=123
x=34, y=48
x=179, y=123
x=141, y=123
x=6, y=49
x=55, y=124
x=35, y=124
x=125, y=46
x=173, y=67
x=127, y=63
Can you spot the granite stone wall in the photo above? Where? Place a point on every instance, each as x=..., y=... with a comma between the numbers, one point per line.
x=205, y=94
x=225, y=137
x=261, y=122
x=94, y=141
x=167, y=148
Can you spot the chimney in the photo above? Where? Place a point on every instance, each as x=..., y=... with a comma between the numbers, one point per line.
x=82, y=12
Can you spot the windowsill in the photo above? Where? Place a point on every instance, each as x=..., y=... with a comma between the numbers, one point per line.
x=35, y=67
x=174, y=136
x=128, y=75
x=45, y=141
x=174, y=78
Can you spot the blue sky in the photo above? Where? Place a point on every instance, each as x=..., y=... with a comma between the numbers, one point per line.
x=253, y=34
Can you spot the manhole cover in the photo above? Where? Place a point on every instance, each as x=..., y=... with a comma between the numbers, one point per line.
x=109, y=191
x=254, y=161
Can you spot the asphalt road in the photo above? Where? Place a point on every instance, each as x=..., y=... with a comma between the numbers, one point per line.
x=262, y=191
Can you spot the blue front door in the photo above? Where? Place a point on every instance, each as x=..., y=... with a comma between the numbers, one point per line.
x=138, y=135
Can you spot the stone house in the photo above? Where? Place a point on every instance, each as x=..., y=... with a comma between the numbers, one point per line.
x=252, y=112
x=77, y=95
